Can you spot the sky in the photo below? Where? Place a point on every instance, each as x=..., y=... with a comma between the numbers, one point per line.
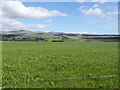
x=75, y=17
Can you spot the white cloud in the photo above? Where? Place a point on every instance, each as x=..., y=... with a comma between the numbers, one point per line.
x=81, y=0
x=96, y=10
x=109, y=15
x=90, y=11
x=16, y=9
x=101, y=1
x=10, y=11
x=91, y=33
x=13, y=24
x=112, y=13
x=95, y=5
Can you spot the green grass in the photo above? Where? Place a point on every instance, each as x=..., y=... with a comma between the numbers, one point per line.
x=60, y=64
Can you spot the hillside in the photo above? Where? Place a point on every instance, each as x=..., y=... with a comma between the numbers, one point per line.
x=26, y=35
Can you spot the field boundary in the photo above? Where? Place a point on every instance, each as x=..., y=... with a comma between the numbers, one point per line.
x=42, y=79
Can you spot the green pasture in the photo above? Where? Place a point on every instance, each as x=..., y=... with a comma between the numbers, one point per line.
x=79, y=64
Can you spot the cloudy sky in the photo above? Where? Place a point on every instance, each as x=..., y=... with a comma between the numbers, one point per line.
x=80, y=16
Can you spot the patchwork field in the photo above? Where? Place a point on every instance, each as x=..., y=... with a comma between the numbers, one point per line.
x=60, y=64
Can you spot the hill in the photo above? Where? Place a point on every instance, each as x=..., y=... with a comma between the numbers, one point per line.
x=26, y=35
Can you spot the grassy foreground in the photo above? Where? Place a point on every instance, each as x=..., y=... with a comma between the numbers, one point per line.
x=60, y=64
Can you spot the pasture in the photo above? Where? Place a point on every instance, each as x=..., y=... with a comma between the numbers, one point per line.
x=60, y=64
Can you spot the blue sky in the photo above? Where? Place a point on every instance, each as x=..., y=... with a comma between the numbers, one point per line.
x=86, y=17
x=76, y=21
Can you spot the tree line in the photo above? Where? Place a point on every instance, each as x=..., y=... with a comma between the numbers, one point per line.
x=3, y=38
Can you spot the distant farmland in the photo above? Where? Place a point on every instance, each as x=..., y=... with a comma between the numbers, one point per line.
x=24, y=35
x=60, y=64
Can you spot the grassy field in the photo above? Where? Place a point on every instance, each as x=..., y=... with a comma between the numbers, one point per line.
x=60, y=64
